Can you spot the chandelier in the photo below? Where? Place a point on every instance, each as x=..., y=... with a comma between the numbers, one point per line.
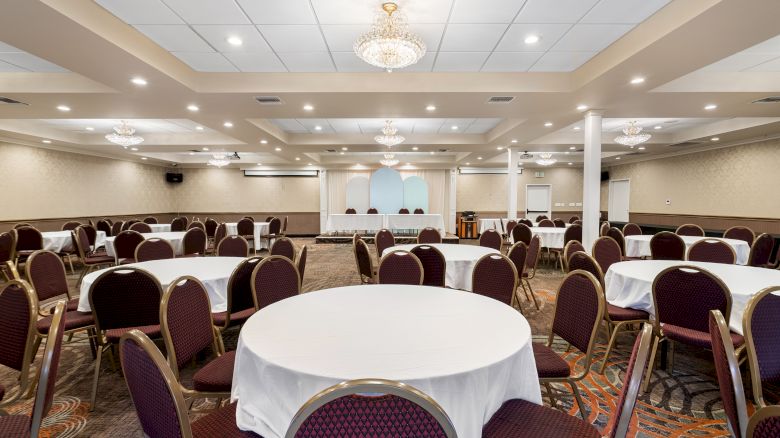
x=389, y=135
x=219, y=160
x=632, y=135
x=123, y=136
x=389, y=160
x=388, y=44
x=546, y=159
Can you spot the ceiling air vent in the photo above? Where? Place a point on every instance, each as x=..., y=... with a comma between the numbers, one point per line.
x=770, y=99
x=9, y=101
x=269, y=100
x=501, y=99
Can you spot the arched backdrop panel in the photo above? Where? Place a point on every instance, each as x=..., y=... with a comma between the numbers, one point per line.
x=358, y=194
x=387, y=191
x=416, y=194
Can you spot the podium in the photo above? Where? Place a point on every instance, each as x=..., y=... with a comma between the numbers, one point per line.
x=467, y=228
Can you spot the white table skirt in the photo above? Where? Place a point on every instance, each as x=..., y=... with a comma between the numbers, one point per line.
x=261, y=228
x=176, y=238
x=460, y=261
x=495, y=224
x=431, y=338
x=630, y=284
x=160, y=228
x=355, y=222
x=550, y=237
x=59, y=241
x=639, y=246
x=414, y=222
x=213, y=272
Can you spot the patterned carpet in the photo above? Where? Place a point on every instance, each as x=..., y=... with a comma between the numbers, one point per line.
x=686, y=403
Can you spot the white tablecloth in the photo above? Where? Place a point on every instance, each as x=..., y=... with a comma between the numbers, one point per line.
x=551, y=237
x=414, y=222
x=495, y=223
x=175, y=237
x=460, y=261
x=355, y=222
x=160, y=228
x=639, y=246
x=630, y=284
x=213, y=272
x=260, y=229
x=468, y=352
x=59, y=241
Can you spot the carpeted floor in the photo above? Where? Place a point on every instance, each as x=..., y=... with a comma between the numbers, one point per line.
x=686, y=403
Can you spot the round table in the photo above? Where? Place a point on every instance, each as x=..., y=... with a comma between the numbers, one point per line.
x=460, y=261
x=468, y=352
x=160, y=228
x=62, y=241
x=213, y=272
x=260, y=228
x=550, y=237
x=630, y=284
x=176, y=239
x=639, y=246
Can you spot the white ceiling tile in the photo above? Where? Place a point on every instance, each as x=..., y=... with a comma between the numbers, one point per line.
x=430, y=126
x=293, y=38
x=342, y=37
x=217, y=36
x=471, y=37
x=289, y=125
x=256, y=62
x=311, y=124
x=623, y=11
x=349, y=62
x=345, y=11
x=141, y=11
x=771, y=45
x=31, y=62
x=8, y=48
x=771, y=66
x=344, y=126
x=278, y=12
x=561, y=61
x=10, y=68
x=205, y=61
x=371, y=126
x=424, y=64
x=175, y=38
x=740, y=61
x=511, y=61
x=208, y=11
x=307, y=61
x=514, y=39
x=590, y=37
x=460, y=61
x=428, y=11
x=485, y=11
x=554, y=11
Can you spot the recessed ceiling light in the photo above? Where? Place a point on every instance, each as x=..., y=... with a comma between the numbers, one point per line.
x=46, y=141
x=199, y=128
x=548, y=124
x=311, y=164
x=431, y=108
x=344, y=148
x=454, y=127
x=143, y=158
x=64, y=108
x=641, y=148
x=235, y=41
x=714, y=139
x=479, y=158
x=263, y=141
x=572, y=148
x=577, y=128
x=277, y=149
x=499, y=147
x=259, y=164
x=297, y=158
x=408, y=164
x=134, y=149
x=617, y=158
x=514, y=141
x=432, y=152
x=341, y=153
x=710, y=107
x=570, y=164
x=567, y=152
x=89, y=128
x=637, y=80
x=582, y=107
x=192, y=108
x=657, y=127
x=138, y=81
x=228, y=124
x=415, y=148
x=318, y=128
x=192, y=153
x=468, y=164
x=204, y=149
x=531, y=39
x=308, y=107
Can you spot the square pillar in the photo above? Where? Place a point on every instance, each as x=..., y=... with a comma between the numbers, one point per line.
x=512, y=158
x=591, y=183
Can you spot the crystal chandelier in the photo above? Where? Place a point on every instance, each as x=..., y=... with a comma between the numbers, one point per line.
x=389, y=45
x=123, y=136
x=632, y=135
x=389, y=160
x=389, y=135
x=219, y=160
x=546, y=159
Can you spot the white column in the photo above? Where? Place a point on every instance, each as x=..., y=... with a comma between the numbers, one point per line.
x=512, y=159
x=452, y=213
x=323, y=200
x=591, y=179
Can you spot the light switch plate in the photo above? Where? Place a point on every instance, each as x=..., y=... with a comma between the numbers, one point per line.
x=668, y=202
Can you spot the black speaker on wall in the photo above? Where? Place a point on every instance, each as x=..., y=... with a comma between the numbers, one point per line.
x=174, y=177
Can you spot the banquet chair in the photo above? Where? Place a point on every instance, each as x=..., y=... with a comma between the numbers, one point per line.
x=570, y=248
x=740, y=233
x=581, y=261
x=92, y=239
x=371, y=408
x=196, y=224
x=522, y=233
x=607, y=252
x=517, y=254
x=559, y=223
x=22, y=224
x=300, y=262
x=546, y=223
x=495, y=276
x=760, y=252
x=178, y=224
x=274, y=230
x=491, y=239
x=667, y=246
x=7, y=252
x=194, y=242
x=122, y=299
x=89, y=259
x=104, y=226
x=540, y=218
x=185, y=222
x=125, y=244
x=605, y=226
x=154, y=249
x=211, y=228
x=267, y=219
x=573, y=232
x=713, y=251
x=632, y=229
x=188, y=331
x=573, y=218
x=527, y=222
x=232, y=246
x=761, y=328
x=116, y=228
x=579, y=310
x=219, y=233
x=617, y=236
x=383, y=239
x=403, y=211
x=246, y=229
x=283, y=247
x=240, y=298
x=45, y=272
x=28, y=240
x=70, y=225
x=433, y=263
x=17, y=336
x=150, y=220
x=141, y=227
x=419, y=211
x=372, y=210
x=689, y=230
x=158, y=400
x=522, y=419
x=365, y=266
x=400, y=267
x=274, y=278
x=283, y=233
x=732, y=393
x=510, y=226
x=428, y=235
x=531, y=262
x=127, y=224
x=577, y=222
x=348, y=211
x=764, y=423
x=682, y=298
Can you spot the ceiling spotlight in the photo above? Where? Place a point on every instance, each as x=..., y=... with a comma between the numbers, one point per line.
x=479, y=158
x=308, y=107
x=617, y=158
x=567, y=152
x=192, y=153
x=344, y=148
x=192, y=108
x=46, y=141
x=235, y=41
x=204, y=149
x=259, y=164
x=531, y=39
x=572, y=148
x=199, y=128
x=637, y=80
x=454, y=128
x=657, y=127
x=432, y=152
x=89, y=128
x=311, y=164
x=297, y=158
x=408, y=164
x=228, y=124
x=63, y=108
x=341, y=153
x=577, y=128
x=415, y=148
x=548, y=124
x=430, y=108
x=570, y=164
x=582, y=107
x=514, y=141
x=143, y=158
x=641, y=148
x=134, y=149
x=138, y=81
x=714, y=139
x=468, y=164
x=263, y=141
x=500, y=148
x=318, y=128
x=710, y=107
x=278, y=149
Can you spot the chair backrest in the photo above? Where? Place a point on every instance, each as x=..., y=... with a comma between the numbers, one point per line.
x=541, y=217
x=689, y=230
x=740, y=233
x=630, y=390
x=574, y=232
x=81, y=242
x=127, y=224
x=70, y=225
x=522, y=233
x=274, y=226
x=28, y=239
x=141, y=227
x=518, y=253
x=18, y=308
x=383, y=239
x=284, y=225
x=577, y=222
x=300, y=262
x=150, y=220
x=372, y=210
x=761, y=328
x=371, y=407
x=185, y=221
x=252, y=218
x=433, y=263
x=154, y=249
x=274, y=278
x=50, y=364
x=581, y=261
x=91, y=234
x=125, y=243
x=350, y=211
x=764, y=423
x=283, y=247
x=104, y=226
x=178, y=224
x=617, y=235
x=158, y=400
x=196, y=224
x=546, y=223
x=211, y=227
x=233, y=246
x=534, y=251
x=495, y=276
x=429, y=235
x=419, y=211
x=527, y=222
x=219, y=233
x=185, y=321
x=570, y=248
x=268, y=219
x=605, y=226
x=632, y=229
x=403, y=211
x=684, y=295
x=400, y=267
x=365, y=267
x=579, y=309
x=125, y=297
x=559, y=223
x=246, y=227
x=760, y=252
x=239, y=290
x=712, y=250
x=116, y=227
x=573, y=218
x=667, y=246
x=606, y=252
x=7, y=246
x=729, y=378
x=491, y=239
x=510, y=225
x=21, y=224
x=195, y=241
x=46, y=274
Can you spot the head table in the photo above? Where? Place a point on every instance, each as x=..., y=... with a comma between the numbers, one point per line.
x=468, y=352
x=459, y=259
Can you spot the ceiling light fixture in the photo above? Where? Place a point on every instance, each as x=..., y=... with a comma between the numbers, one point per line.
x=514, y=141
x=548, y=124
x=263, y=141
x=714, y=139
x=134, y=149
x=46, y=141
x=308, y=107
x=144, y=158
x=344, y=148
x=278, y=149
x=318, y=128
x=193, y=108
x=431, y=152
x=479, y=158
x=632, y=135
x=228, y=124
x=637, y=80
x=577, y=128
x=500, y=148
x=389, y=160
x=389, y=135
x=570, y=164
x=546, y=159
x=567, y=153
x=139, y=81
x=297, y=158
x=572, y=148
x=641, y=148
x=389, y=44
x=582, y=107
x=310, y=164
x=710, y=107
x=454, y=128
x=531, y=39
x=259, y=164
x=124, y=135
x=89, y=128
x=199, y=128
x=192, y=153
x=430, y=108
x=219, y=160
x=63, y=108
x=204, y=149
x=341, y=153
x=235, y=41
x=468, y=164
x=415, y=148
x=617, y=158
x=658, y=127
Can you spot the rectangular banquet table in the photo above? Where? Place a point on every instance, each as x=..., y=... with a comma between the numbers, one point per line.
x=355, y=222
x=414, y=222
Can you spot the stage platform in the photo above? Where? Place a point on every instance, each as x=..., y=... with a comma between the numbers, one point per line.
x=399, y=240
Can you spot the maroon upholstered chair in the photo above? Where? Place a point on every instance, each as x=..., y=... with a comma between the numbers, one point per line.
x=365, y=267
x=283, y=247
x=606, y=252
x=526, y=222
x=211, y=227
x=350, y=211
x=570, y=248
x=764, y=423
x=683, y=297
x=154, y=249
x=761, y=328
x=667, y=246
x=510, y=225
x=372, y=210
x=28, y=240
x=46, y=274
x=495, y=276
x=491, y=239
x=127, y=224
x=70, y=225
x=104, y=226
x=196, y=224
x=274, y=279
x=125, y=244
x=580, y=260
x=92, y=239
x=403, y=211
x=7, y=251
x=159, y=401
x=116, y=228
x=559, y=223
x=383, y=239
x=546, y=223
x=760, y=252
x=518, y=253
x=574, y=232
x=123, y=299
x=233, y=246
x=573, y=219
x=522, y=233
x=631, y=229
x=274, y=231
x=579, y=309
x=17, y=333
x=689, y=230
x=541, y=217
x=150, y=220
x=195, y=242
x=141, y=227
x=400, y=267
x=605, y=226
x=371, y=408
x=21, y=224
x=740, y=233
x=188, y=331
x=300, y=262
x=240, y=298
x=246, y=229
x=267, y=219
x=713, y=251
x=284, y=226
x=577, y=222
x=419, y=211
x=178, y=224
x=185, y=221
x=729, y=378
x=433, y=263
x=618, y=237
x=428, y=235
x=219, y=233
x=89, y=259
x=531, y=262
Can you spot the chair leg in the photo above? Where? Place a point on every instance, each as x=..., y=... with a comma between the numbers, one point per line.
x=93, y=397
x=611, y=345
x=536, y=303
x=671, y=356
x=580, y=403
x=650, y=364
x=551, y=395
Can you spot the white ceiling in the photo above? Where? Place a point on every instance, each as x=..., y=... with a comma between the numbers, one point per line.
x=374, y=126
x=317, y=35
x=148, y=126
x=763, y=57
x=15, y=60
x=668, y=125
